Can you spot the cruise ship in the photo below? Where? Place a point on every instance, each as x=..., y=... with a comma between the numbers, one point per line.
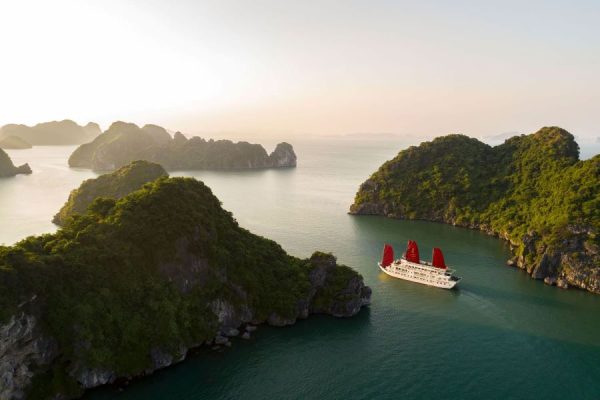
x=411, y=268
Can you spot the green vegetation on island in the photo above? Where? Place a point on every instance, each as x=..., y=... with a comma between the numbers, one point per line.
x=124, y=142
x=131, y=285
x=52, y=133
x=114, y=186
x=8, y=169
x=14, y=142
x=532, y=190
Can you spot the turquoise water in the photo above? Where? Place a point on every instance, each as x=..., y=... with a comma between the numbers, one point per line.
x=501, y=335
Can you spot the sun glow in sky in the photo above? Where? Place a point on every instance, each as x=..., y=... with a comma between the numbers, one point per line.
x=320, y=67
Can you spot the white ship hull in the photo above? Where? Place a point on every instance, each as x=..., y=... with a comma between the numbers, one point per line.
x=421, y=273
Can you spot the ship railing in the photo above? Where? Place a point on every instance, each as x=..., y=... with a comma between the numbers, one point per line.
x=428, y=267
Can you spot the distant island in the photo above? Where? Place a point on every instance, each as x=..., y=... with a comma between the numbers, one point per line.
x=532, y=190
x=54, y=133
x=131, y=285
x=14, y=142
x=8, y=169
x=116, y=185
x=124, y=142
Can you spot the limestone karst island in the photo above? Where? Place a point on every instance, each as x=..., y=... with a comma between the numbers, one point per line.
x=124, y=142
x=532, y=190
x=7, y=168
x=207, y=200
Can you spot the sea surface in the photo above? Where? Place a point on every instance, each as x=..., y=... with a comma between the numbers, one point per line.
x=501, y=335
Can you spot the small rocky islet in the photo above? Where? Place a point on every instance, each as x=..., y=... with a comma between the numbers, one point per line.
x=135, y=282
x=8, y=169
x=124, y=142
x=532, y=190
x=114, y=185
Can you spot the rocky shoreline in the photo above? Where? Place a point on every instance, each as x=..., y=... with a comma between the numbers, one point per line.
x=554, y=267
x=25, y=349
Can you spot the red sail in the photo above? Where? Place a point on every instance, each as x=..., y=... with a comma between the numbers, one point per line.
x=388, y=255
x=412, y=252
x=438, y=258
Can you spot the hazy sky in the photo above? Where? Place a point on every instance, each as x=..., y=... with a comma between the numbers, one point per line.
x=291, y=67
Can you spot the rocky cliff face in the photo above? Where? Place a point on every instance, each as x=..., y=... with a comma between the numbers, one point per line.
x=283, y=156
x=23, y=348
x=8, y=169
x=349, y=291
x=123, y=143
x=343, y=301
x=25, y=351
x=575, y=262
